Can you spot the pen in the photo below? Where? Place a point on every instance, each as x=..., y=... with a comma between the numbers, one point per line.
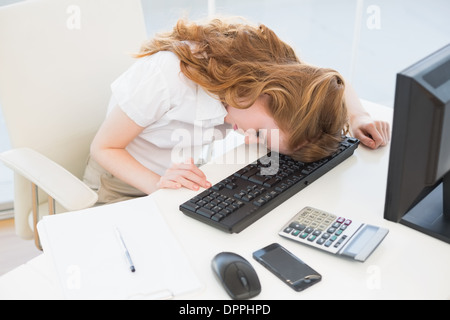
x=124, y=247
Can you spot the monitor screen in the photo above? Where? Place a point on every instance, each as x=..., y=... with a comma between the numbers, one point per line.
x=418, y=184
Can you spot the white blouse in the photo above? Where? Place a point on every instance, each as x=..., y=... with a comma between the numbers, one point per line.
x=178, y=116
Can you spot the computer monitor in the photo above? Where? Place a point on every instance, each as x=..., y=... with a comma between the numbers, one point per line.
x=418, y=183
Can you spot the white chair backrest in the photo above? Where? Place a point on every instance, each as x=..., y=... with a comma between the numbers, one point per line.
x=58, y=59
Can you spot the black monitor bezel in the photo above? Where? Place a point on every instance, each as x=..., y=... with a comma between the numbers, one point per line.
x=421, y=117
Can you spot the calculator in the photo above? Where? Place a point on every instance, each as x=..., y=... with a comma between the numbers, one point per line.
x=333, y=233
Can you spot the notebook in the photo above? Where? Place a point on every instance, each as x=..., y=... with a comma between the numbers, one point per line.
x=91, y=264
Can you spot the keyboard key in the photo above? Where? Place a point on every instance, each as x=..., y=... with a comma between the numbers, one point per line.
x=248, y=197
x=282, y=187
x=272, y=182
x=260, y=202
x=273, y=194
x=240, y=195
x=217, y=217
x=231, y=186
x=240, y=172
x=225, y=212
x=239, y=203
x=258, y=179
x=205, y=212
x=190, y=206
x=218, y=186
x=250, y=173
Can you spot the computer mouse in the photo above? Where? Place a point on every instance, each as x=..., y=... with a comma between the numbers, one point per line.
x=236, y=275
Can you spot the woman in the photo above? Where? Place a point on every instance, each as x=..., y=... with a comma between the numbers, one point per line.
x=218, y=75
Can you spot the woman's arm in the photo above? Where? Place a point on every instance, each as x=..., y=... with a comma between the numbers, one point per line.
x=372, y=133
x=108, y=149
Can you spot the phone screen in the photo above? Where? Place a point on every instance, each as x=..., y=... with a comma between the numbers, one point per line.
x=293, y=271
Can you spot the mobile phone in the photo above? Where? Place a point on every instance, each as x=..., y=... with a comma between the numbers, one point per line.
x=286, y=266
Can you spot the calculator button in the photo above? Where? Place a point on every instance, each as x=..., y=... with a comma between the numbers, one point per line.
x=331, y=230
x=288, y=230
x=314, y=224
x=337, y=244
x=336, y=225
x=321, y=241
x=297, y=226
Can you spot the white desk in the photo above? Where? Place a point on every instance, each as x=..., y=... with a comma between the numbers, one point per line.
x=407, y=264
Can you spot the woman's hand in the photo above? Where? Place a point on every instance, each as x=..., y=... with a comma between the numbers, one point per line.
x=183, y=175
x=371, y=133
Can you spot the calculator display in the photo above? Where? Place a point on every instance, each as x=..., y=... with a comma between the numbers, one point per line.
x=357, y=245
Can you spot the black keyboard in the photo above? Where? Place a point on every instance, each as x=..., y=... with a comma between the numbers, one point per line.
x=251, y=192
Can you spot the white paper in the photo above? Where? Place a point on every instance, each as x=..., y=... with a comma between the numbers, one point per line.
x=90, y=261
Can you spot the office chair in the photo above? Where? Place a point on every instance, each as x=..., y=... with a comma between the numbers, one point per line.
x=57, y=61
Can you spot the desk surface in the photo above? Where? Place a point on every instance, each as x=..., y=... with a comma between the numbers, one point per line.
x=406, y=265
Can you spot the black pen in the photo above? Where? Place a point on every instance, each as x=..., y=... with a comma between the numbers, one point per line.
x=124, y=247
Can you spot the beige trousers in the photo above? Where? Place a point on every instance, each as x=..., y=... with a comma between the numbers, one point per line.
x=109, y=188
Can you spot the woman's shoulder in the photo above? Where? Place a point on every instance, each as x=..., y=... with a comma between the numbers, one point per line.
x=162, y=59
